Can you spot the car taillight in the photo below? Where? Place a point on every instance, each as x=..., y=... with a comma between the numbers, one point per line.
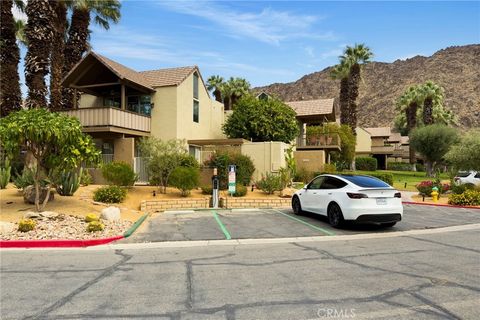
x=398, y=195
x=356, y=195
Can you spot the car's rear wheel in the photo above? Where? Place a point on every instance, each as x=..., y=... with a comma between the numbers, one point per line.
x=335, y=215
x=389, y=224
x=296, y=205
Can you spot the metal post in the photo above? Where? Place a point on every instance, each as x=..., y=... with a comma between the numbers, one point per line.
x=215, y=186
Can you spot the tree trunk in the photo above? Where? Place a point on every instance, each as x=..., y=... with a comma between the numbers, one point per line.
x=344, y=106
x=429, y=168
x=411, y=114
x=39, y=34
x=226, y=103
x=10, y=94
x=57, y=57
x=218, y=95
x=75, y=47
x=353, y=83
x=428, y=111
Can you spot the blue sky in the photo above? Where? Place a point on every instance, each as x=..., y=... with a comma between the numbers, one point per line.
x=279, y=41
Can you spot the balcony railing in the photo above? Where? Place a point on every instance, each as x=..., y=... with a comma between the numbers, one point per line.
x=319, y=141
x=105, y=116
x=383, y=149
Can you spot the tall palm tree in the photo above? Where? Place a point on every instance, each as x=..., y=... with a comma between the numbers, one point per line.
x=239, y=87
x=340, y=72
x=10, y=94
x=433, y=95
x=57, y=55
x=214, y=83
x=355, y=57
x=105, y=11
x=39, y=35
x=226, y=92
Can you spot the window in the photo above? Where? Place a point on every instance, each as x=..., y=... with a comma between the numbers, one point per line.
x=195, y=111
x=139, y=104
x=316, y=183
x=195, y=152
x=195, y=85
x=366, y=181
x=111, y=102
x=333, y=183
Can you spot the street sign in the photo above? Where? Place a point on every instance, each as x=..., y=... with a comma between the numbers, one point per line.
x=232, y=178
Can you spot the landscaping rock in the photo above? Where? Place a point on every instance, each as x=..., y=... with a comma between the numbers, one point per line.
x=287, y=192
x=31, y=215
x=110, y=214
x=49, y=214
x=29, y=195
x=6, y=227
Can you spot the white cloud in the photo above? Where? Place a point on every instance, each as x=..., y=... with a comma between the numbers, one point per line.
x=18, y=15
x=268, y=26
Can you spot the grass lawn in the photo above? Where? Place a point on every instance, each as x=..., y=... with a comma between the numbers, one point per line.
x=409, y=177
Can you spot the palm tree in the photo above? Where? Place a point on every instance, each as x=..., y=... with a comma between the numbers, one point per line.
x=340, y=72
x=57, y=55
x=214, y=83
x=226, y=92
x=39, y=35
x=238, y=88
x=105, y=11
x=20, y=32
x=10, y=94
x=355, y=57
x=433, y=95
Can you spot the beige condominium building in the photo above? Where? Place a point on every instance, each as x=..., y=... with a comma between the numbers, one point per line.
x=119, y=105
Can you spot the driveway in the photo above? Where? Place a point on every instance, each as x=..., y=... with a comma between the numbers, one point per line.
x=282, y=223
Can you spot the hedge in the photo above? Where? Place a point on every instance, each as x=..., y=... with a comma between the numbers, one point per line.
x=399, y=166
x=366, y=163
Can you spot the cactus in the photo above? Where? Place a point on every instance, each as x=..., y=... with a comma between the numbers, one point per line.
x=5, y=175
x=91, y=217
x=68, y=182
x=26, y=225
x=95, y=226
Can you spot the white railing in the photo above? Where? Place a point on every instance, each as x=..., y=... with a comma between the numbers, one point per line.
x=140, y=168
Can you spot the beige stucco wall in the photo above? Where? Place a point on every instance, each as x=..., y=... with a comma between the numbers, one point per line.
x=90, y=101
x=364, y=142
x=164, y=113
x=378, y=141
x=266, y=156
x=311, y=160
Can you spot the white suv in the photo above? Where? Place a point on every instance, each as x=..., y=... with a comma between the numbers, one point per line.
x=470, y=177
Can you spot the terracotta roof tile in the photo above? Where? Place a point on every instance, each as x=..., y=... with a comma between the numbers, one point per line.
x=167, y=77
x=379, y=131
x=395, y=137
x=312, y=107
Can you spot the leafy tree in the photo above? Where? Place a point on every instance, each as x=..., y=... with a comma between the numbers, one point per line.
x=466, y=154
x=347, y=144
x=163, y=157
x=54, y=140
x=214, y=84
x=243, y=163
x=233, y=90
x=340, y=72
x=10, y=94
x=433, y=142
x=20, y=32
x=261, y=120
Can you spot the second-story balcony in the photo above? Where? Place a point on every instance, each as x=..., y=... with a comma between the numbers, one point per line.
x=325, y=141
x=385, y=149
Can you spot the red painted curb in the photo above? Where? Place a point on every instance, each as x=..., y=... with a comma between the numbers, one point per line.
x=55, y=243
x=439, y=205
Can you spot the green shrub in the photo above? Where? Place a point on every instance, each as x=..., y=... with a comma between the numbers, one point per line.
x=110, y=194
x=459, y=189
x=95, y=226
x=468, y=198
x=24, y=180
x=5, y=175
x=119, y=174
x=240, y=190
x=366, y=163
x=221, y=161
x=329, y=168
x=187, y=160
x=420, y=167
x=91, y=217
x=86, y=178
x=207, y=190
x=26, y=225
x=68, y=182
x=270, y=183
x=385, y=177
x=285, y=177
x=184, y=179
x=399, y=166
x=304, y=175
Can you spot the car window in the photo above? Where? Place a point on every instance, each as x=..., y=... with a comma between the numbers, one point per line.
x=332, y=183
x=463, y=174
x=477, y=175
x=366, y=181
x=316, y=183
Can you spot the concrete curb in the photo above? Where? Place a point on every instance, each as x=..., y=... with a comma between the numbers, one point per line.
x=439, y=205
x=135, y=226
x=56, y=243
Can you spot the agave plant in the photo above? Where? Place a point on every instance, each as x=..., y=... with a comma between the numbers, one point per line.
x=68, y=182
x=5, y=175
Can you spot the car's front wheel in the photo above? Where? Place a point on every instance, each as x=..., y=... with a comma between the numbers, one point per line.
x=335, y=215
x=296, y=206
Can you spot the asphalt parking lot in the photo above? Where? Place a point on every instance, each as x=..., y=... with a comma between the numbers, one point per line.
x=282, y=223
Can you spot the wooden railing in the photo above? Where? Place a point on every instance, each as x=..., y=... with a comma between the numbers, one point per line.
x=323, y=140
x=98, y=117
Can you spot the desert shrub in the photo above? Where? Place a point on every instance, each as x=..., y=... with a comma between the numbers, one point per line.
x=425, y=187
x=329, y=168
x=304, y=175
x=366, y=163
x=26, y=225
x=95, y=226
x=385, y=177
x=240, y=190
x=24, y=180
x=187, y=160
x=270, y=183
x=221, y=160
x=119, y=174
x=5, y=175
x=468, y=198
x=285, y=177
x=86, y=178
x=68, y=182
x=399, y=166
x=459, y=189
x=207, y=190
x=91, y=217
x=110, y=194
x=184, y=179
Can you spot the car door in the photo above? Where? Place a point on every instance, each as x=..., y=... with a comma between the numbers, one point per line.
x=327, y=193
x=309, y=196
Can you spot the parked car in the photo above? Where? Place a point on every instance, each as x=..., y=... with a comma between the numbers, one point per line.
x=467, y=177
x=343, y=197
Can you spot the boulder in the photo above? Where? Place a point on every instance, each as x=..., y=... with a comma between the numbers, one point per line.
x=110, y=214
x=6, y=227
x=287, y=192
x=29, y=194
x=31, y=215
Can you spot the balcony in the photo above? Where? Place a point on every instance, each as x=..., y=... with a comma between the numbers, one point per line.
x=329, y=141
x=386, y=149
x=106, y=119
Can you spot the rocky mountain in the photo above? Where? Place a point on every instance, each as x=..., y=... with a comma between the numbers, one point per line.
x=456, y=69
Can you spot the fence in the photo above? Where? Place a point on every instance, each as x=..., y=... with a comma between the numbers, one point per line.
x=107, y=158
x=140, y=168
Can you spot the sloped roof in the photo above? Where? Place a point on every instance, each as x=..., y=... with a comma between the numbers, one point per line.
x=379, y=131
x=312, y=107
x=167, y=77
x=405, y=139
x=395, y=137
